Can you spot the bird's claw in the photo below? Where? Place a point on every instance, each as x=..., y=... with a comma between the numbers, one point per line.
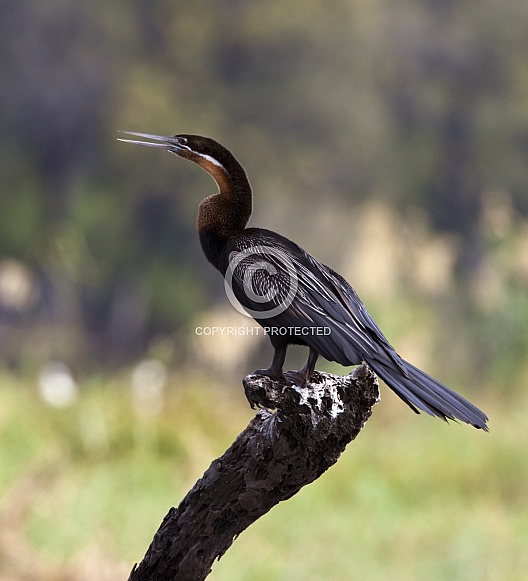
x=297, y=378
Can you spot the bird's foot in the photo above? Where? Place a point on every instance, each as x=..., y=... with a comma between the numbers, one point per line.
x=271, y=373
x=299, y=378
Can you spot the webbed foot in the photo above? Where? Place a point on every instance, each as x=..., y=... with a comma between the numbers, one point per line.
x=298, y=378
x=271, y=373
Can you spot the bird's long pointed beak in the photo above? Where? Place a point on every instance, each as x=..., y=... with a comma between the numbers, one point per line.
x=169, y=143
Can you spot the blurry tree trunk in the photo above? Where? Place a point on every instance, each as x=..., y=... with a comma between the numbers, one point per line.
x=270, y=461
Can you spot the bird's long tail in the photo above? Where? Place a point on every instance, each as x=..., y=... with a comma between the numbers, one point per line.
x=422, y=392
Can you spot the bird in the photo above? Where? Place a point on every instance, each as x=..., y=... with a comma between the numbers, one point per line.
x=297, y=299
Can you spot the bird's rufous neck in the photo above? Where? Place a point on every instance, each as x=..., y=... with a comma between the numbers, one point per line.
x=230, y=209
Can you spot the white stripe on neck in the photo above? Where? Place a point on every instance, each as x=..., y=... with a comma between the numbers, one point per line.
x=213, y=161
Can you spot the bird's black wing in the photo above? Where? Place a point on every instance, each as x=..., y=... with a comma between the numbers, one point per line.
x=302, y=293
x=277, y=284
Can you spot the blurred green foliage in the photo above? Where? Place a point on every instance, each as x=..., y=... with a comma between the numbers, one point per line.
x=85, y=487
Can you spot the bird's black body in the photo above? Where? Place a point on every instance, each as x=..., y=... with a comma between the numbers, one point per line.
x=297, y=299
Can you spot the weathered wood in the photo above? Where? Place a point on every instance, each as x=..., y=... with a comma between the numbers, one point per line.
x=271, y=460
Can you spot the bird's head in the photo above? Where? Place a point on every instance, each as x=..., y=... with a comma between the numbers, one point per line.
x=230, y=177
x=204, y=151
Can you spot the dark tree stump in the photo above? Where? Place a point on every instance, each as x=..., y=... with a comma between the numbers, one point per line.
x=271, y=460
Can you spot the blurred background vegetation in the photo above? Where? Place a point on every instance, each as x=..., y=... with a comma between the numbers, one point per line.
x=390, y=139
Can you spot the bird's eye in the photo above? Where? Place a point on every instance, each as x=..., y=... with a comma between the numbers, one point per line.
x=183, y=140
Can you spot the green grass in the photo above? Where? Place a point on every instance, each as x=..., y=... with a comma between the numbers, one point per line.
x=411, y=498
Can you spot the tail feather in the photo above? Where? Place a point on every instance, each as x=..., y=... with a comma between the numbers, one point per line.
x=422, y=392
